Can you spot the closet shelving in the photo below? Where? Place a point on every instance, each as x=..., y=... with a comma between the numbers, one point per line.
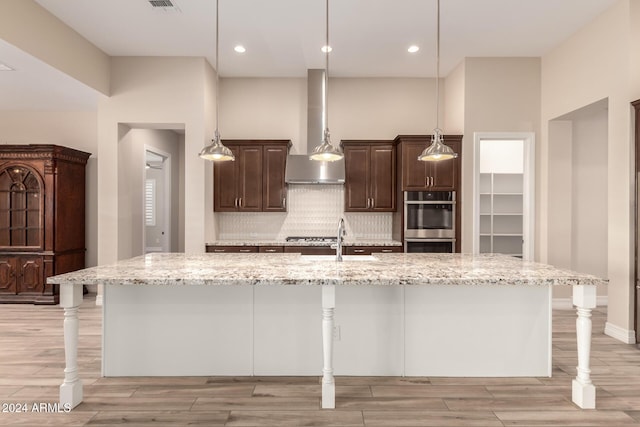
x=501, y=213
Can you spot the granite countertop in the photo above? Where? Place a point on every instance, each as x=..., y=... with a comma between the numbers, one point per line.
x=295, y=269
x=346, y=242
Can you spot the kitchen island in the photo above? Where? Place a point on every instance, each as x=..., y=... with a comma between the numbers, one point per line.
x=287, y=314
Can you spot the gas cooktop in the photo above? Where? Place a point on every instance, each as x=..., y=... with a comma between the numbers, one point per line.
x=314, y=239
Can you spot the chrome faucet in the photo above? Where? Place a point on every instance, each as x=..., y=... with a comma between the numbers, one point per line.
x=341, y=233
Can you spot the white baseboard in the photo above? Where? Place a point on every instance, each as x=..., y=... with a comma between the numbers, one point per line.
x=567, y=303
x=625, y=335
x=562, y=304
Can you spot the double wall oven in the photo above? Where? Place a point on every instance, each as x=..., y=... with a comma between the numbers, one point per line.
x=430, y=221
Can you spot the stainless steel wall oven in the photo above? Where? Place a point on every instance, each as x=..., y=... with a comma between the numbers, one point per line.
x=429, y=221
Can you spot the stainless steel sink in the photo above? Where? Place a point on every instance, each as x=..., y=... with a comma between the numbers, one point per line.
x=345, y=258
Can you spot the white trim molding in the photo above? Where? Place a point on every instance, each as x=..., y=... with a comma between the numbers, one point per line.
x=627, y=336
x=529, y=191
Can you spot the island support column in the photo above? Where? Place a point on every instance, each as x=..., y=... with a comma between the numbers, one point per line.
x=583, y=392
x=328, y=382
x=71, y=388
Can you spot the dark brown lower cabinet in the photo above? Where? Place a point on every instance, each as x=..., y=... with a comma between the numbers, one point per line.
x=368, y=250
x=271, y=249
x=232, y=249
x=304, y=250
x=310, y=250
x=22, y=279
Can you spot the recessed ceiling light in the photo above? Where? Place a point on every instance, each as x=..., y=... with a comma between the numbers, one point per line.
x=413, y=49
x=240, y=49
x=5, y=67
x=326, y=49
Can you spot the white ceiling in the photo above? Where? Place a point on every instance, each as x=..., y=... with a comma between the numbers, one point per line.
x=283, y=38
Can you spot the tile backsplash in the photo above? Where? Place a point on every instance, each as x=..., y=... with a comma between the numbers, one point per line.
x=314, y=210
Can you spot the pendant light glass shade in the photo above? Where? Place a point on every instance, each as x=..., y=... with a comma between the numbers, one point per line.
x=216, y=151
x=326, y=151
x=437, y=150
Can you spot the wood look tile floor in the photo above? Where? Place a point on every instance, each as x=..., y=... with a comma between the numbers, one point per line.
x=32, y=363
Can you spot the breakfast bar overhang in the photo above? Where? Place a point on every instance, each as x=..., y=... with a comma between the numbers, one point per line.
x=288, y=314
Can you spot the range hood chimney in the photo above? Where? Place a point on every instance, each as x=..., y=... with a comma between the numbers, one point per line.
x=300, y=169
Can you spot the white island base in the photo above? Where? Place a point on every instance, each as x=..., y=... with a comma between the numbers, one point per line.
x=466, y=327
x=464, y=331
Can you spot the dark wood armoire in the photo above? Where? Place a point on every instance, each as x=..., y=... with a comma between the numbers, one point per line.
x=42, y=216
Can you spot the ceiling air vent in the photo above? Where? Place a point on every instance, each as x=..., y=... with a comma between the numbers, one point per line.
x=164, y=5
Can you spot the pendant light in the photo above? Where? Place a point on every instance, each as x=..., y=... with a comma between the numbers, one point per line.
x=216, y=151
x=326, y=151
x=437, y=151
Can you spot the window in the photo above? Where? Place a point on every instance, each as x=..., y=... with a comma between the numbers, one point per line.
x=150, y=202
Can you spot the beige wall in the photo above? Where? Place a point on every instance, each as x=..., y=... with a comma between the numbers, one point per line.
x=358, y=108
x=382, y=108
x=559, y=170
x=501, y=95
x=28, y=26
x=131, y=175
x=153, y=91
x=578, y=236
x=454, y=102
x=75, y=129
x=634, y=52
x=594, y=64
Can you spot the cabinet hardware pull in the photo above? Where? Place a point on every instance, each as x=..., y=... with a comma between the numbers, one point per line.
x=432, y=181
x=235, y=202
x=373, y=203
x=270, y=250
x=358, y=251
x=245, y=250
x=219, y=250
x=240, y=202
x=386, y=250
x=284, y=202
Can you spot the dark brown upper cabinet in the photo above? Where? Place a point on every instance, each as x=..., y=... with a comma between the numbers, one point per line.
x=370, y=176
x=254, y=182
x=274, y=189
x=428, y=176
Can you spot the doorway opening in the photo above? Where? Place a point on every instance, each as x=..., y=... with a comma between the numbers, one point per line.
x=504, y=194
x=157, y=201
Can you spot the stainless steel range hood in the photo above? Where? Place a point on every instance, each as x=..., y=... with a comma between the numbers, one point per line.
x=300, y=169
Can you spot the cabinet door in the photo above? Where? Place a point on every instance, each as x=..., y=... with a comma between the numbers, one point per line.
x=383, y=178
x=369, y=250
x=231, y=249
x=445, y=172
x=414, y=172
x=31, y=277
x=310, y=250
x=356, y=183
x=250, y=173
x=270, y=249
x=21, y=207
x=8, y=276
x=274, y=189
x=225, y=180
